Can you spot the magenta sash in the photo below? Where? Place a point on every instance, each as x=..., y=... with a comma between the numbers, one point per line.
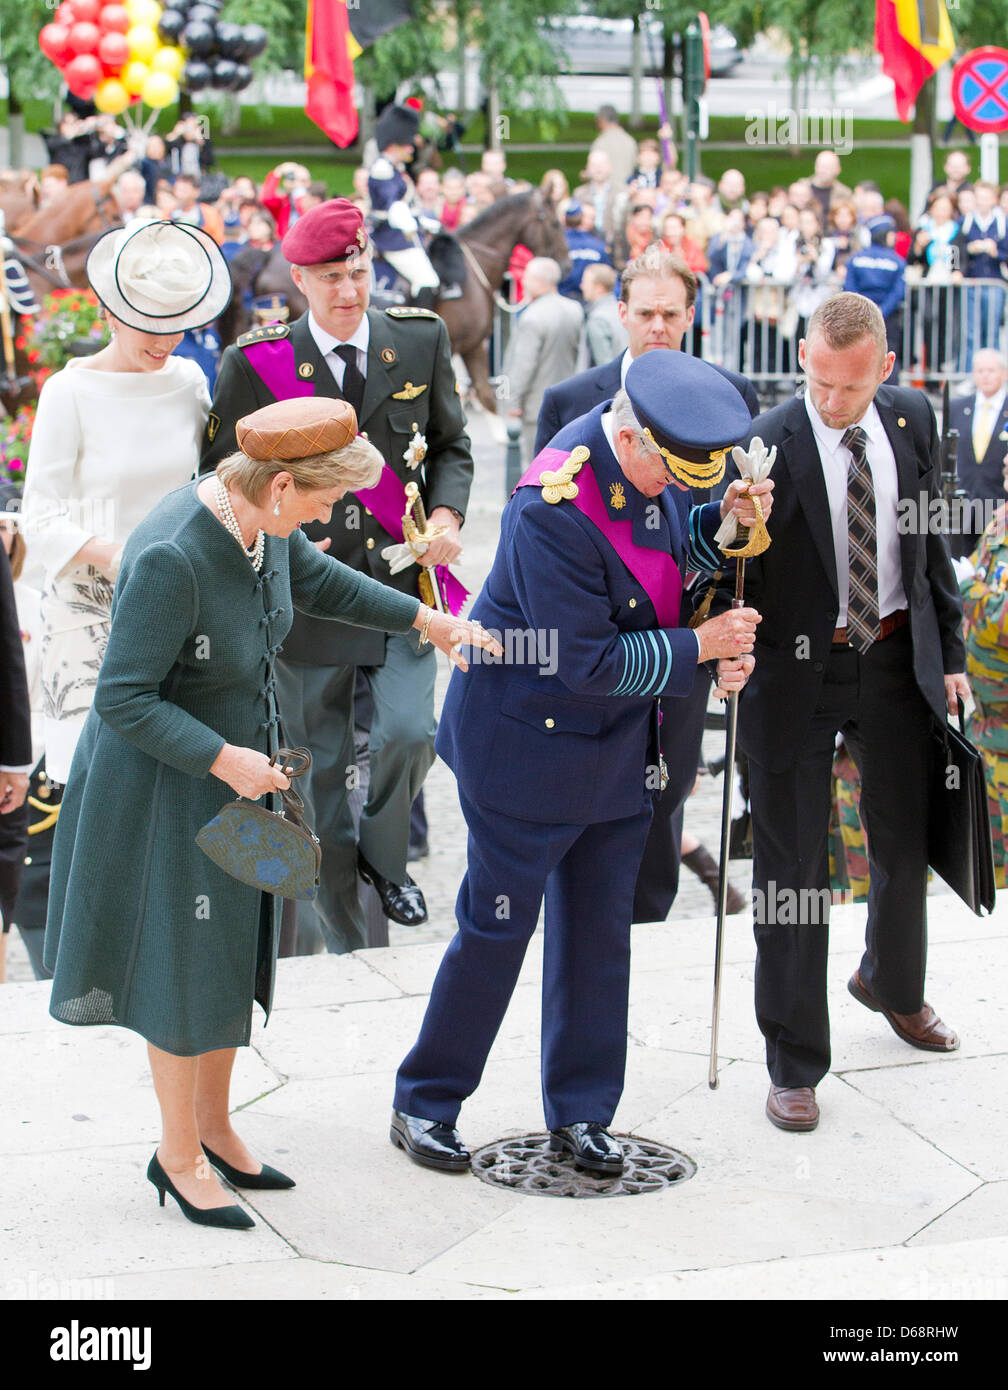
x=656, y=570
x=273, y=362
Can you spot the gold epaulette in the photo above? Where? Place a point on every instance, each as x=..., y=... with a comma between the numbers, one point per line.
x=559, y=484
x=409, y=311
x=263, y=335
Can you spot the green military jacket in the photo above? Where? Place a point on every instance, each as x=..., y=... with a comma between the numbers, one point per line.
x=410, y=389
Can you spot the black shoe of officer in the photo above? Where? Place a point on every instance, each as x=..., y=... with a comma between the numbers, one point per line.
x=403, y=904
x=434, y=1143
x=591, y=1145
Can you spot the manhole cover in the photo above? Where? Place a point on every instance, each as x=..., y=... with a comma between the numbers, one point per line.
x=526, y=1164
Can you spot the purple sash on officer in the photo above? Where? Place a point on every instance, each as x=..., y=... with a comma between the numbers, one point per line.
x=273, y=362
x=656, y=570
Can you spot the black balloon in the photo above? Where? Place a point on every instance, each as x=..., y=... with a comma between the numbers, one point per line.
x=231, y=41
x=243, y=77
x=180, y=5
x=195, y=76
x=198, y=38
x=256, y=39
x=224, y=73
x=202, y=13
x=170, y=25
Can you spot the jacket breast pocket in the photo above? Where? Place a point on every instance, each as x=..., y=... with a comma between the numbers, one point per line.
x=408, y=419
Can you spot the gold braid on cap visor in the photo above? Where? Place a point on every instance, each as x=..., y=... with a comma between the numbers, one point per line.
x=693, y=474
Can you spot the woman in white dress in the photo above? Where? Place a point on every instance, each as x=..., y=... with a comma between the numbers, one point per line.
x=114, y=433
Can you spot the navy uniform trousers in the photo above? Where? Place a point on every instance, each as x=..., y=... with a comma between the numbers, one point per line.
x=513, y=864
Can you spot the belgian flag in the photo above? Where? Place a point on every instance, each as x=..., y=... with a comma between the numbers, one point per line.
x=915, y=39
x=335, y=33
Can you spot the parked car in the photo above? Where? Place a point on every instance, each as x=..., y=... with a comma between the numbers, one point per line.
x=603, y=47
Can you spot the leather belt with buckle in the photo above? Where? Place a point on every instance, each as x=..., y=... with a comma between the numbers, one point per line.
x=887, y=626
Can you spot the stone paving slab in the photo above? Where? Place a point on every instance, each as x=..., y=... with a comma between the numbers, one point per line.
x=903, y=1179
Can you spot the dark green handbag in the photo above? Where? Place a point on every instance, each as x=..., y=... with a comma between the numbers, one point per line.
x=271, y=850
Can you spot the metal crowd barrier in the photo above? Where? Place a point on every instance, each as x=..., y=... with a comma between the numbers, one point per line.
x=754, y=329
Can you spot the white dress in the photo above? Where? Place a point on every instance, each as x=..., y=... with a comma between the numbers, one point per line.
x=106, y=447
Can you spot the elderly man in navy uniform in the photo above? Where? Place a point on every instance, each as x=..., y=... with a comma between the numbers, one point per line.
x=395, y=369
x=395, y=235
x=556, y=751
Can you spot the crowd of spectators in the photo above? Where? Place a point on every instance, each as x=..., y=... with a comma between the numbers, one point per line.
x=765, y=258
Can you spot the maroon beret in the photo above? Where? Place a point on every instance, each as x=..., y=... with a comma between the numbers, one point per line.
x=330, y=231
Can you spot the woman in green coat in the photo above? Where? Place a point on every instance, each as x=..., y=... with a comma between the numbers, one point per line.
x=144, y=930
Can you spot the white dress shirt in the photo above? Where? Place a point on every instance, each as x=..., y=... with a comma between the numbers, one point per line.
x=327, y=344
x=836, y=459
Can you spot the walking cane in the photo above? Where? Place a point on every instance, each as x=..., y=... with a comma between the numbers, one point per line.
x=754, y=465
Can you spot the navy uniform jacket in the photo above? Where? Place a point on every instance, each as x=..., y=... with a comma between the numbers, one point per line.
x=877, y=273
x=386, y=185
x=578, y=394
x=573, y=746
x=583, y=250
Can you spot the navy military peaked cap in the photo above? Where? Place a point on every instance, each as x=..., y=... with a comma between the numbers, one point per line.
x=689, y=410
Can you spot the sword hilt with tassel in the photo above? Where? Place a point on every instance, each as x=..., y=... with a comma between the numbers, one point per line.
x=416, y=533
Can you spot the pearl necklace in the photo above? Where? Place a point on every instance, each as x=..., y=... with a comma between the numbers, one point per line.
x=253, y=555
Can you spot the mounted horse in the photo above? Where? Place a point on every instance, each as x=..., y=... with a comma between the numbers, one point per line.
x=487, y=242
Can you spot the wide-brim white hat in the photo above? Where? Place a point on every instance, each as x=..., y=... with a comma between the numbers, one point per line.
x=160, y=277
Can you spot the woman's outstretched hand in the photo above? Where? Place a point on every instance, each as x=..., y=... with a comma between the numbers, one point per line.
x=450, y=634
x=249, y=772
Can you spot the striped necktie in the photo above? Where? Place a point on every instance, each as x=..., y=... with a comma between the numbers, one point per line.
x=862, y=600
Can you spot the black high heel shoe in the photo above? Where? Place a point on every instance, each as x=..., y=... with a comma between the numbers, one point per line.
x=229, y=1218
x=268, y=1179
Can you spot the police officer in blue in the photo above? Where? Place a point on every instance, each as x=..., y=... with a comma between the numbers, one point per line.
x=877, y=273
x=583, y=250
x=395, y=234
x=555, y=747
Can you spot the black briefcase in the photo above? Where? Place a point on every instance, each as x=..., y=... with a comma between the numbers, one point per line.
x=959, y=835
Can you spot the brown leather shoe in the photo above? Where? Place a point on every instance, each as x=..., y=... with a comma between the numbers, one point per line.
x=924, y=1029
x=792, y=1107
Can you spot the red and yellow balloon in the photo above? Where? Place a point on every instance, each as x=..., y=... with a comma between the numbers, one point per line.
x=110, y=53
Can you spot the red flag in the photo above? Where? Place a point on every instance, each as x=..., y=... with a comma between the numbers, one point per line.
x=914, y=38
x=329, y=71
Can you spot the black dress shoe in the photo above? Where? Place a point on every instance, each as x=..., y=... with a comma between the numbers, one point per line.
x=268, y=1180
x=434, y=1143
x=404, y=904
x=592, y=1146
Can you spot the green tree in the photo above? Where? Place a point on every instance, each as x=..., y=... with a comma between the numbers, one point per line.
x=28, y=71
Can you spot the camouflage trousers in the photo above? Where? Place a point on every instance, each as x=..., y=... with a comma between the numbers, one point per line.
x=848, y=852
x=987, y=734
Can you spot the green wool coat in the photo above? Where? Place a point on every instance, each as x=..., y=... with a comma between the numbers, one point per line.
x=143, y=929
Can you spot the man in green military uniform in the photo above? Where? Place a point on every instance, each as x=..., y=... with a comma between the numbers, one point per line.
x=395, y=369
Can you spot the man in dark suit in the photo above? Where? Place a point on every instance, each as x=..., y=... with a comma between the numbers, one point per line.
x=861, y=633
x=656, y=307
x=982, y=421
x=395, y=369
x=555, y=748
